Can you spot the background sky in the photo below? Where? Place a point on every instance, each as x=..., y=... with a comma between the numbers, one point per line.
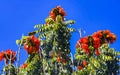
x=18, y=17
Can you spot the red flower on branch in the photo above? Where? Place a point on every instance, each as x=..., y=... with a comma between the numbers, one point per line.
x=98, y=34
x=84, y=40
x=96, y=40
x=1, y=55
x=84, y=46
x=52, y=15
x=59, y=59
x=10, y=53
x=107, y=32
x=8, y=56
x=24, y=65
x=97, y=52
x=57, y=11
x=61, y=11
x=96, y=46
x=87, y=51
x=32, y=44
x=110, y=37
x=84, y=63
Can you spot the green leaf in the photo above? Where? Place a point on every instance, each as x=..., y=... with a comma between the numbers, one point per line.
x=79, y=57
x=95, y=62
x=91, y=48
x=106, y=58
x=69, y=22
x=59, y=18
x=18, y=42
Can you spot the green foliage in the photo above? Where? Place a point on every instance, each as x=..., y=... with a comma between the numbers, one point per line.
x=105, y=64
x=34, y=65
x=55, y=38
x=9, y=70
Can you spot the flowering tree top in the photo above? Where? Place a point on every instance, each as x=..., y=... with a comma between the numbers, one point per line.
x=48, y=47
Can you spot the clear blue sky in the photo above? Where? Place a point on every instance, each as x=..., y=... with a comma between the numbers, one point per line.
x=18, y=17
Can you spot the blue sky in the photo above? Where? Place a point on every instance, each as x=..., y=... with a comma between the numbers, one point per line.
x=18, y=17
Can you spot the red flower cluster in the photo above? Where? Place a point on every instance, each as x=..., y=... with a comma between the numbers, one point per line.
x=96, y=40
x=83, y=43
x=57, y=11
x=9, y=56
x=24, y=65
x=106, y=35
x=32, y=44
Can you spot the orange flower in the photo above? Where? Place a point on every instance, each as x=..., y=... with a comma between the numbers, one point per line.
x=108, y=36
x=32, y=44
x=84, y=63
x=96, y=46
x=58, y=59
x=84, y=40
x=57, y=11
x=96, y=40
x=113, y=36
x=52, y=15
x=36, y=49
x=98, y=34
x=107, y=31
x=1, y=55
x=61, y=10
x=97, y=52
x=24, y=65
x=32, y=37
x=37, y=41
x=84, y=46
x=87, y=51
x=9, y=53
x=30, y=50
x=26, y=46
